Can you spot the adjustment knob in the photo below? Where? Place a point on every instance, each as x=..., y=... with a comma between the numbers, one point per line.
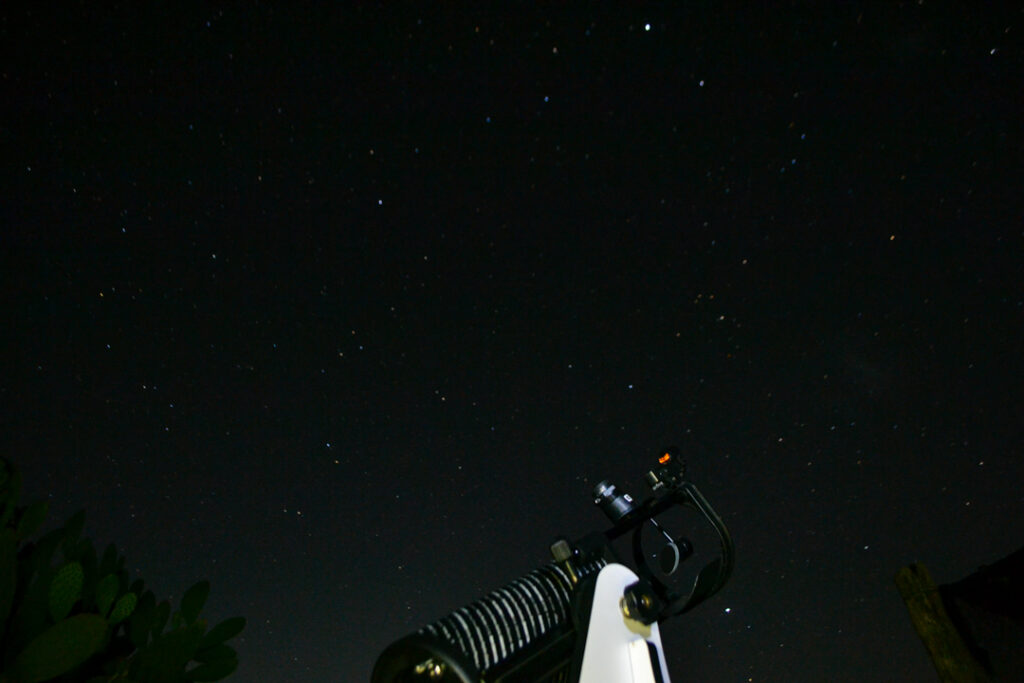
x=561, y=550
x=640, y=603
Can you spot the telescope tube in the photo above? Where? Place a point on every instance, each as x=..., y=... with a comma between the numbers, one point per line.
x=521, y=631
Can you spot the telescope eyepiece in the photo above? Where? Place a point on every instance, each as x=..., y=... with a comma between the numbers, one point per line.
x=614, y=504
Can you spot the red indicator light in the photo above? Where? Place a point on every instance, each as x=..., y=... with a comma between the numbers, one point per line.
x=665, y=458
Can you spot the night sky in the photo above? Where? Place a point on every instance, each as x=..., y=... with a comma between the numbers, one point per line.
x=347, y=311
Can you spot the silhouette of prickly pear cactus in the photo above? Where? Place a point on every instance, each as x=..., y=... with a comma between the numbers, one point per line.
x=59, y=649
x=81, y=620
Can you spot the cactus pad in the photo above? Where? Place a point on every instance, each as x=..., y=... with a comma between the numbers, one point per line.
x=123, y=609
x=60, y=648
x=106, y=591
x=66, y=590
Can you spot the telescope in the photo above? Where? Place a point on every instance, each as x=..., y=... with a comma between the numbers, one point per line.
x=592, y=614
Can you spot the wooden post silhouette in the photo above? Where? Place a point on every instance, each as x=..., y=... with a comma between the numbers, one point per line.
x=947, y=648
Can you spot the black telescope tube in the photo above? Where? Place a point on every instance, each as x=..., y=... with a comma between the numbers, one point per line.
x=508, y=628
